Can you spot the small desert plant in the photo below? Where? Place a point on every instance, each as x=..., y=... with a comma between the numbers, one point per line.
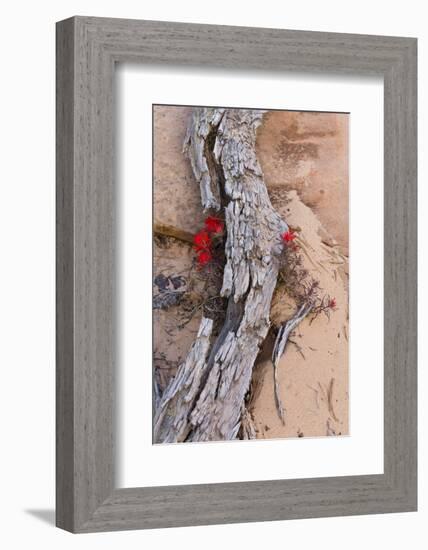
x=297, y=282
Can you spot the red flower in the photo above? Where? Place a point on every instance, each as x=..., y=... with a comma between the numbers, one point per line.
x=202, y=241
x=288, y=236
x=332, y=303
x=204, y=257
x=214, y=225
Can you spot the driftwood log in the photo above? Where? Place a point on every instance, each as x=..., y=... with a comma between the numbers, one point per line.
x=206, y=399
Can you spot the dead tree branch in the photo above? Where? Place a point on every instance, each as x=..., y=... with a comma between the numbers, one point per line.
x=171, y=420
x=220, y=144
x=281, y=341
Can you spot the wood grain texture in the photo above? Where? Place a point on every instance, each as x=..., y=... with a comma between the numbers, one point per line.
x=87, y=49
x=205, y=400
x=64, y=278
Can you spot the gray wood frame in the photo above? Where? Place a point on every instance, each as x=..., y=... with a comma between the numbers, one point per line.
x=87, y=50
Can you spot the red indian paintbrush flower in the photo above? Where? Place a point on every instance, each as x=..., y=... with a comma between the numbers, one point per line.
x=204, y=257
x=202, y=241
x=332, y=303
x=214, y=225
x=288, y=236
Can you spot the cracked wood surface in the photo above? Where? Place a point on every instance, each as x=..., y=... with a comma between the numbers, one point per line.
x=171, y=421
x=220, y=144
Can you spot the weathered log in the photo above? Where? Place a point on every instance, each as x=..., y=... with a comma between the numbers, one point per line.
x=171, y=420
x=220, y=144
x=202, y=127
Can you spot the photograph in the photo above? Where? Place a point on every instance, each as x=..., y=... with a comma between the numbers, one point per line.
x=210, y=267
x=250, y=274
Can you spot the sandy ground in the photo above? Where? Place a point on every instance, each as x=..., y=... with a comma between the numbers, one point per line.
x=313, y=372
x=308, y=152
x=176, y=203
x=304, y=158
x=172, y=335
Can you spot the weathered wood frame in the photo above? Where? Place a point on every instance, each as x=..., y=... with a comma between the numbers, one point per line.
x=87, y=50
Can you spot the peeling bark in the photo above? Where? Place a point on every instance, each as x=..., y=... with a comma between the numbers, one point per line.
x=171, y=420
x=205, y=401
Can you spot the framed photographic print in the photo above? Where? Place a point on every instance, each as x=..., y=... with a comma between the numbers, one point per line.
x=236, y=274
